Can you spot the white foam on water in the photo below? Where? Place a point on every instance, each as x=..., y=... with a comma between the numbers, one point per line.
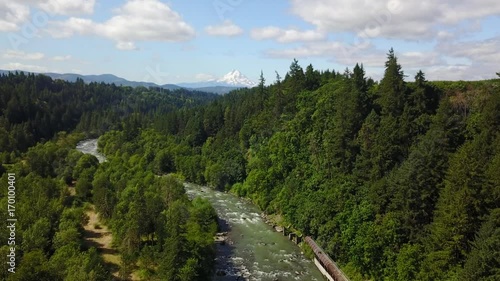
x=259, y=253
x=237, y=259
x=90, y=147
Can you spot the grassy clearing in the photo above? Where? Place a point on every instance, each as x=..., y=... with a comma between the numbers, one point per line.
x=98, y=235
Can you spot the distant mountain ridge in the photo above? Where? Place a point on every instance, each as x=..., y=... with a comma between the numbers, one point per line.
x=105, y=78
x=231, y=81
x=108, y=79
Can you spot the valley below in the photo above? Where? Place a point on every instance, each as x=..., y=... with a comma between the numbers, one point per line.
x=252, y=250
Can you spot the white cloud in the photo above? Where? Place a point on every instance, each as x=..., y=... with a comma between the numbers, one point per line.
x=443, y=35
x=15, y=13
x=62, y=58
x=269, y=32
x=71, y=27
x=25, y=67
x=482, y=55
x=458, y=72
x=227, y=28
x=146, y=20
x=485, y=51
x=371, y=57
x=204, y=77
x=420, y=59
x=12, y=14
x=20, y=55
x=410, y=19
x=286, y=35
x=137, y=20
x=333, y=50
x=126, y=46
x=67, y=7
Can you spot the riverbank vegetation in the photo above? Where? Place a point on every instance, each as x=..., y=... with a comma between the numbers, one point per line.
x=158, y=233
x=49, y=234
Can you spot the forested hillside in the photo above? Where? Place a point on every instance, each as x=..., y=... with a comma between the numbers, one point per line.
x=156, y=227
x=34, y=107
x=157, y=232
x=396, y=180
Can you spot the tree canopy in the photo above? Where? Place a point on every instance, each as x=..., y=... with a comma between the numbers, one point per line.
x=396, y=179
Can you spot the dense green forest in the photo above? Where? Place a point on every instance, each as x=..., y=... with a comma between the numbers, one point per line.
x=157, y=230
x=396, y=180
x=159, y=234
x=34, y=108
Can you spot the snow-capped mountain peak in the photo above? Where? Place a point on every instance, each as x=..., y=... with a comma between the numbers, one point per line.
x=235, y=78
x=232, y=80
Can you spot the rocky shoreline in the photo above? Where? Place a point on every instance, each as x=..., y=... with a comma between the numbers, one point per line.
x=287, y=231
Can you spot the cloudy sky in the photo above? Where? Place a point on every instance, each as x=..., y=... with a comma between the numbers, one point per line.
x=184, y=41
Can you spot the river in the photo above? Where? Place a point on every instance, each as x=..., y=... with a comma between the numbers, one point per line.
x=253, y=250
x=90, y=147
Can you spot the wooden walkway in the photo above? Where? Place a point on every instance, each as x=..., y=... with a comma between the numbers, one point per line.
x=325, y=264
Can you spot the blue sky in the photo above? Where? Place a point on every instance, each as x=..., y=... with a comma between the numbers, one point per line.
x=184, y=41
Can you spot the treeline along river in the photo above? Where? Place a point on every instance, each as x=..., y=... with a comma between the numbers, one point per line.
x=251, y=250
